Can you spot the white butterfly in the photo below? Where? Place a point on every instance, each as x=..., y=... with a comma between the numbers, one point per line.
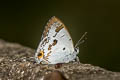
x=56, y=44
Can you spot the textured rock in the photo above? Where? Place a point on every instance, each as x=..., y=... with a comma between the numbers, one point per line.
x=17, y=62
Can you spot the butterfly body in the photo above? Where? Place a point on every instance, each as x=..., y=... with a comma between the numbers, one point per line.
x=56, y=44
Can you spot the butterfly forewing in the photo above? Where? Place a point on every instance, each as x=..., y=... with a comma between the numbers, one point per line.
x=56, y=42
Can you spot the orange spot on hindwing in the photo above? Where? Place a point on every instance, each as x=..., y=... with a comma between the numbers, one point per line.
x=41, y=54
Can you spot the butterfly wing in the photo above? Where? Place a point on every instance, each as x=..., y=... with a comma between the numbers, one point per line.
x=56, y=43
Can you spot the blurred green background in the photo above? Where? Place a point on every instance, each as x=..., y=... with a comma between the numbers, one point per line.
x=23, y=22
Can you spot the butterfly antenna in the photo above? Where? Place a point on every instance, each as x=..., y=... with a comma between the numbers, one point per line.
x=81, y=40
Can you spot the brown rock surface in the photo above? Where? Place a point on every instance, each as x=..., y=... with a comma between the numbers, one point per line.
x=17, y=62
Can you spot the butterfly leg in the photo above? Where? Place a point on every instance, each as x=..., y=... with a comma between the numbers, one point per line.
x=77, y=59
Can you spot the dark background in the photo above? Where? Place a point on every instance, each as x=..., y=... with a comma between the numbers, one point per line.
x=23, y=22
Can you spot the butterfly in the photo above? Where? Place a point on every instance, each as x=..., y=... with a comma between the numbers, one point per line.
x=56, y=45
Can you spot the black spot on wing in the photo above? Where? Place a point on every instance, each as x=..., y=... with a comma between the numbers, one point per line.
x=39, y=54
x=64, y=48
x=55, y=35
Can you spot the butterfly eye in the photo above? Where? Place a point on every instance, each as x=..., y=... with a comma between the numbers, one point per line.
x=40, y=55
x=75, y=49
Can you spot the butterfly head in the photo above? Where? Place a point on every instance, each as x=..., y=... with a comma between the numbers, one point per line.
x=76, y=50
